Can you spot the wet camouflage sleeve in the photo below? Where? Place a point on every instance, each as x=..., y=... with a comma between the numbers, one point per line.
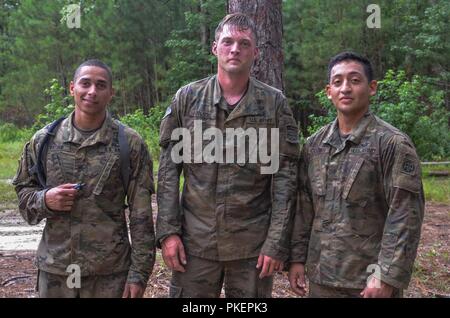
x=30, y=194
x=304, y=214
x=284, y=187
x=404, y=192
x=168, y=191
x=142, y=232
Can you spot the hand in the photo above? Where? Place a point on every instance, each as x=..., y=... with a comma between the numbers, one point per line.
x=268, y=265
x=377, y=289
x=61, y=198
x=133, y=291
x=173, y=253
x=297, y=278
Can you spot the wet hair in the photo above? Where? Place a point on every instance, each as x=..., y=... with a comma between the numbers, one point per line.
x=351, y=56
x=238, y=21
x=97, y=63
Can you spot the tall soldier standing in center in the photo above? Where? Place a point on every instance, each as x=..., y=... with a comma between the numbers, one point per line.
x=232, y=223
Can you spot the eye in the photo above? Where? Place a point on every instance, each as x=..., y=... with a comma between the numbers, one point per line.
x=355, y=80
x=101, y=85
x=85, y=84
x=337, y=82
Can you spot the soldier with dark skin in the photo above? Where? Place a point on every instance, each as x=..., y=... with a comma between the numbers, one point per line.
x=360, y=199
x=232, y=223
x=83, y=199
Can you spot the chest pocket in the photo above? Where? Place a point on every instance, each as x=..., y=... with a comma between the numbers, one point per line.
x=111, y=165
x=358, y=184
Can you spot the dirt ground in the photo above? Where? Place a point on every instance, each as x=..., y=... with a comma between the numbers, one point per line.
x=431, y=276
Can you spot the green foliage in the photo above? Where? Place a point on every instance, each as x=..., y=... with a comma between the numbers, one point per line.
x=417, y=108
x=59, y=105
x=147, y=126
x=328, y=115
x=10, y=133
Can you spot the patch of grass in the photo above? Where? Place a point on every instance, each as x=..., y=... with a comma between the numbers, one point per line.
x=8, y=197
x=436, y=189
x=9, y=155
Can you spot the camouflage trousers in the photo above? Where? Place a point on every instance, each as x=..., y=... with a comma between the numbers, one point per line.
x=101, y=286
x=323, y=291
x=204, y=278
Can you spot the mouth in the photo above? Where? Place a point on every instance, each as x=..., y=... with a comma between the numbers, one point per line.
x=346, y=99
x=234, y=60
x=90, y=101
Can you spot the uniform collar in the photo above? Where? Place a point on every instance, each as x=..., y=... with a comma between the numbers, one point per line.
x=103, y=135
x=332, y=138
x=251, y=103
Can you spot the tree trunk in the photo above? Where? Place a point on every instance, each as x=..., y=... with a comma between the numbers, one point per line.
x=267, y=16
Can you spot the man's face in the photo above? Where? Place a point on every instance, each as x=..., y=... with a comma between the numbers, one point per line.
x=235, y=50
x=92, y=90
x=349, y=89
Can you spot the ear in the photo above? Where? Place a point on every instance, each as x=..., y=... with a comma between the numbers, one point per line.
x=327, y=91
x=214, y=48
x=256, y=53
x=373, y=87
x=71, y=87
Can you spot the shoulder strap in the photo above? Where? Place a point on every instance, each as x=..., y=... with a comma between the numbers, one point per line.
x=38, y=168
x=124, y=157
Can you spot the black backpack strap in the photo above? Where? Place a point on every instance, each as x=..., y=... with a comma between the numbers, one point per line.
x=124, y=157
x=38, y=168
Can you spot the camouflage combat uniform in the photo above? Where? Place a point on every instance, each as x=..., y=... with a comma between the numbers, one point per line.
x=228, y=211
x=94, y=233
x=361, y=202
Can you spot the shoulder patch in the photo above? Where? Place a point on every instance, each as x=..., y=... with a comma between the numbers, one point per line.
x=407, y=170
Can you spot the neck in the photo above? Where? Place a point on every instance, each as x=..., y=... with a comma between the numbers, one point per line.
x=232, y=85
x=347, y=123
x=87, y=121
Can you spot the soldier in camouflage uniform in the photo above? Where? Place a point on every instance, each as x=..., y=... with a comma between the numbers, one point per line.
x=87, y=227
x=232, y=223
x=361, y=200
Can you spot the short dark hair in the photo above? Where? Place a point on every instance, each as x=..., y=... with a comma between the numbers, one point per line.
x=351, y=56
x=240, y=21
x=93, y=62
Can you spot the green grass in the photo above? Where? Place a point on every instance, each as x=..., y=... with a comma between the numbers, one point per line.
x=437, y=189
x=9, y=158
x=8, y=197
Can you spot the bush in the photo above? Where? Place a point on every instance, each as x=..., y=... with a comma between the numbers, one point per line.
x=147, y=126
x=10, y=133
x=59, y=105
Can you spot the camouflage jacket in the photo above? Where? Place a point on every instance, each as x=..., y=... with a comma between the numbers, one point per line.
x=94, y=234
x=361, y=202
x=229, y=211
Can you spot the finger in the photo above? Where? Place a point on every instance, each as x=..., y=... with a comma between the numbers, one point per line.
x=271, y=267
x=126, y=291
x=135, y=290
x=265, y=268
x=167, y=259
x=67, y=192
x=260, y=261
x=67, y=186
x=182, y=253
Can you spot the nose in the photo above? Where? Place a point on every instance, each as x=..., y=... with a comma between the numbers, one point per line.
x=235, y=48
x=346, y=87
x=92, y=90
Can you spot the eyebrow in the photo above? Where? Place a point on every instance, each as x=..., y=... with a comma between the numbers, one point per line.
x=351, y=73
x=89, y=79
